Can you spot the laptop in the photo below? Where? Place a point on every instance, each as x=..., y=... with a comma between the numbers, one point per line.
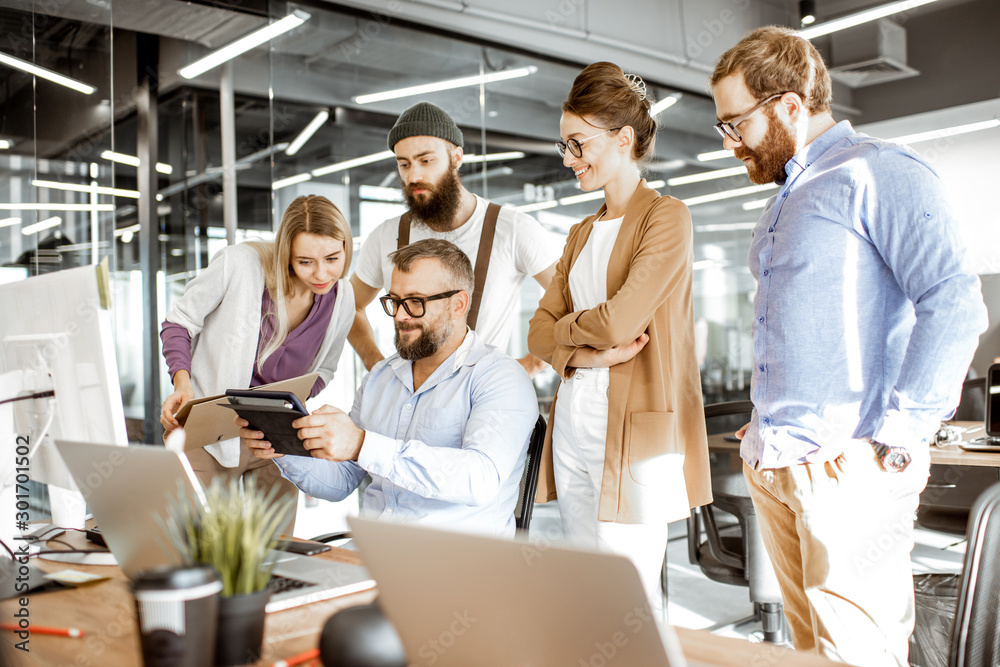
x=126, y=487
x=458, y=599
x=991, y=441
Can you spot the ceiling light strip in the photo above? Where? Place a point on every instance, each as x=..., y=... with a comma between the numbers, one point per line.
x=73, y=187
x=57, y=207
x=350, y=164
x=858, y=18
x=133, y=161
x=714, y=155
x=446, y=85
x=307, y=132
x=49, y=75
x=728, y=194
x=244, y=44
x=706, y=176
x=947, y=132
x=42, y=225
x=492, y=157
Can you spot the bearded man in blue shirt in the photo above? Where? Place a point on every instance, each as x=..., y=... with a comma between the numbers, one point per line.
x=442, y=426
x=866, y=318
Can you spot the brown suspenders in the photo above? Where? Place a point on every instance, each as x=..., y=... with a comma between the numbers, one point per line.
x=482, y=256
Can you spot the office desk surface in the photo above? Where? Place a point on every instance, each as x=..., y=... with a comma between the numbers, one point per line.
x=105, y=611
x=947, y=455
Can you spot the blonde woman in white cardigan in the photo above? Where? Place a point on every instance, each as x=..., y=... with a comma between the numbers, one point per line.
x=259, y=313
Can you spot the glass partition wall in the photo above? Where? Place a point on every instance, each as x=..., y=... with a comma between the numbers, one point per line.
x=155, y=171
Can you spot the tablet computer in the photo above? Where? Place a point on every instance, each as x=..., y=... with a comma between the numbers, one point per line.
x=272, y=413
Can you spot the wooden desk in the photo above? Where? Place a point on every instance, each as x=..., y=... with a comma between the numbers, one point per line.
x=948, y=455
x=105, y=611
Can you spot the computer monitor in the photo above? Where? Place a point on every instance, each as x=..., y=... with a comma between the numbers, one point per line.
x=56, y=337
x=993, y=401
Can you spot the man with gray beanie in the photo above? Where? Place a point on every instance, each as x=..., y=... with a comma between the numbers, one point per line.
x=504, y=245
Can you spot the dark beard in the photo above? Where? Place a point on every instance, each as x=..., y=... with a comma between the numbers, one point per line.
x=772, y=154
x=426, y=344
x=438, y=207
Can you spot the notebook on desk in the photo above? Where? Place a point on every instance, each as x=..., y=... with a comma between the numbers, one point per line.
x=126, y=487
x=458, y=600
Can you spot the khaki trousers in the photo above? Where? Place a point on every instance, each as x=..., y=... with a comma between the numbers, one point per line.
x=266, y=473
x=839, y=534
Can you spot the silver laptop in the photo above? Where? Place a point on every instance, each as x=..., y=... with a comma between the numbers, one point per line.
x=458, y=600
x=126, y=487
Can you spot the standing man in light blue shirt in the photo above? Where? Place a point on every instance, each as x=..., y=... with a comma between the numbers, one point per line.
x=866, y=318
x=442, y=426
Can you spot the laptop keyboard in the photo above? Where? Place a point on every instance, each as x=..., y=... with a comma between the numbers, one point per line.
x=280, y=584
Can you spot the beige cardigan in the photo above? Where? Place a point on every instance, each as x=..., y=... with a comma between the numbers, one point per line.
x=655, y=404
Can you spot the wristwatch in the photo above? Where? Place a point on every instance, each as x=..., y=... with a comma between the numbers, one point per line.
x=890, y=459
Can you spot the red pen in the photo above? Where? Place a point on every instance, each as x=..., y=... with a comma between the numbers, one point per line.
x=299, y=659
x=43, y=630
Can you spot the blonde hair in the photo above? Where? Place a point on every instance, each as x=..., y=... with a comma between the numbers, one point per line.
x=308, y=214
x=615, y=99
x=776, y=60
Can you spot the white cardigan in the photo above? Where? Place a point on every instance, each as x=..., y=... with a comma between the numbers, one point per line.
x=220, y=308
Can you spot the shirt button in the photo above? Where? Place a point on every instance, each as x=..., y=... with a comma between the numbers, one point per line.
x=770, y=229
x=784, y=194
x=765, y=272
x=408, y=407
x=760, y=319
x=767, y=420
x=578, y=376
x=761, y=368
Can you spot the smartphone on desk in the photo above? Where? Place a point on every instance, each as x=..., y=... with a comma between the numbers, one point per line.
x=304, y=547
x=272, y=413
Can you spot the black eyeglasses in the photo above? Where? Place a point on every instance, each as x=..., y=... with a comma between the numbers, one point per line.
x=415, y=306
x=727, y=128
x=575, y=147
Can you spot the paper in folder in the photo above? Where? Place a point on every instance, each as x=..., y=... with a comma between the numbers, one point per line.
x=206, y=421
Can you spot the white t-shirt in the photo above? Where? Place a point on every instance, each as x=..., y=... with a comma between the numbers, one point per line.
x=588, y=279
x=521, y=248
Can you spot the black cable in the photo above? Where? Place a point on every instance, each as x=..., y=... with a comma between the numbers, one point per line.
x=28, y=397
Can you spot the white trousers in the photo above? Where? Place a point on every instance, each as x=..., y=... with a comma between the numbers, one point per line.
x=578, y=446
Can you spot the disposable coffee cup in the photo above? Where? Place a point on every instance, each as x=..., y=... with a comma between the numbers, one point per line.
x=178, y=613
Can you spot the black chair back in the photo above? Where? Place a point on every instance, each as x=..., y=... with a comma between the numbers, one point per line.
x=529, y=478
x=975, y=639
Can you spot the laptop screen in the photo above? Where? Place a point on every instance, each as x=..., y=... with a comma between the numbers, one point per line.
x=993, y=401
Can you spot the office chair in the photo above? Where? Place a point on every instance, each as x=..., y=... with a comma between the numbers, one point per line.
x=525, y=496
x=734, y=553
x=529, y=478
x=975, y=639
x=946, y=502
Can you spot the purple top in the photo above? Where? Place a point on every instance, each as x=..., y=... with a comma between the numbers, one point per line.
x=293, y=358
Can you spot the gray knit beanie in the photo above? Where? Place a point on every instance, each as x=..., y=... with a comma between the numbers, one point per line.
x=424, y=119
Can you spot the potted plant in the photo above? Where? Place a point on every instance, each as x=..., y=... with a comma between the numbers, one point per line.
x=235, y=532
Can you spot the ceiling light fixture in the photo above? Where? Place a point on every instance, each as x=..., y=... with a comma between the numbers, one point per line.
x=307, y=132
x=492, y=157
x=350, y=164
x=446, y=85
x=42, y=225
x=807, y=12
x=664, y=104
x=858, y=18
x=73, y=187
x=727, y=194
x=714, y=155
x=291, y=180
x=10, y=222
x=43, y=73
x=947, y=132
x=706, y=176
x=57, y=207
x=5, y=144
x=244, y=44
x=133, y=161
x=754, y=205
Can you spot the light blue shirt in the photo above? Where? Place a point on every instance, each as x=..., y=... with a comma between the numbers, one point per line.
x=867, y=313
x=449, y=454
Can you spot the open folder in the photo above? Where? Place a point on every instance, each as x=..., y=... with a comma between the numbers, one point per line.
x=205, y=420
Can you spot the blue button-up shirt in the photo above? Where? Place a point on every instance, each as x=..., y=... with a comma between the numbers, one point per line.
x=449, y=454
x=867, y=314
